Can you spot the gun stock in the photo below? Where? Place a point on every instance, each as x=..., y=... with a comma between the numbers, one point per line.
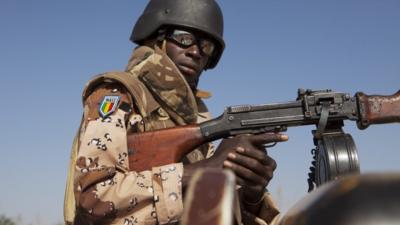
x=378, y=109
x=162, y=147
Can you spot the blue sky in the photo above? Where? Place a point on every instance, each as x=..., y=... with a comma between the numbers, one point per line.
x=49, y=49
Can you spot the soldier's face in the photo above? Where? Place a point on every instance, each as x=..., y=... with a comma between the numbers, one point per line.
x=190, y=60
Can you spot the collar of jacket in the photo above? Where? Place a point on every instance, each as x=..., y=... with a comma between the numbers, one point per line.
x=164, y=80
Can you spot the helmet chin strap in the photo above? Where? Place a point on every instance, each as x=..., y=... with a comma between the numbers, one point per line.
x=161, y=42
x=164, y=46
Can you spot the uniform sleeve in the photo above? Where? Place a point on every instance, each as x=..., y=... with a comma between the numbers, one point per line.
x=105, y=189
x=267, y=215
x=269, y=211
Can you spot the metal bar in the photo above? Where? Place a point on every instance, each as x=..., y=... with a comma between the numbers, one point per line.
x=286, y=119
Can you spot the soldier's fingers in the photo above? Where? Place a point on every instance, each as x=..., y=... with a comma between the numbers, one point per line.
x=244, y=173
x=265, y=138
x=253, y=153
x=272, y=163
x=261, y=156
x=244, y=183
x=240, y=181
x=248, y=162
x=251, y=170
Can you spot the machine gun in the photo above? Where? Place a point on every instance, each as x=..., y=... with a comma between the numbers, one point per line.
x=335, y=152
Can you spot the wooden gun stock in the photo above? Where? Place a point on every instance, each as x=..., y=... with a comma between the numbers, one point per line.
x=378, y=109
x=162, y=147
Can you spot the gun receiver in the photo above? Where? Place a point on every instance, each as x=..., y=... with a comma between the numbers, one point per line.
x=165, y=146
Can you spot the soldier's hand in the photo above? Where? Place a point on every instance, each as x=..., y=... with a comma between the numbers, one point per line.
x=216, y=161
x=249, y=160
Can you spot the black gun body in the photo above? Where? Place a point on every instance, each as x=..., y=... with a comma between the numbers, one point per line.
x=307, y=110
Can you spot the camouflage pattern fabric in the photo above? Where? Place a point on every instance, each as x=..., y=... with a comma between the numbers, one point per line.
x=166, y=83
x=105, y=190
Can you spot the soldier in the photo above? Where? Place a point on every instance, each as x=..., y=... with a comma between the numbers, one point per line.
x=177, y=40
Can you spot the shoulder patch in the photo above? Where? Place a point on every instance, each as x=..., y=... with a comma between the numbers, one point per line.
x=108, y=105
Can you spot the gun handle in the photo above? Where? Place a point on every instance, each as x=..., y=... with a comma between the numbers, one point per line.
x=162, y=147
x=378, y=109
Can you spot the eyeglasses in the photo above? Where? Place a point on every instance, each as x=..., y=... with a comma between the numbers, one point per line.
x=187, y=39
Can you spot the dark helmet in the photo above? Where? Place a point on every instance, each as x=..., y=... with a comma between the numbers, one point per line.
x=367, y=199
x=201, y=15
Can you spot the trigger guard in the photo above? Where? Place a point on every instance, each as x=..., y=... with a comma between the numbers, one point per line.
x=270, y=145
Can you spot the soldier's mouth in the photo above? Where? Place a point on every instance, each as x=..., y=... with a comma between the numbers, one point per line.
x=188, y=69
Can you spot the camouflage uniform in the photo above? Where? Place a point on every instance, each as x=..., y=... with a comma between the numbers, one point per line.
x=153, y=95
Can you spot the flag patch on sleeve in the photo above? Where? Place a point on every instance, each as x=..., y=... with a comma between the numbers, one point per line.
x=108, y=105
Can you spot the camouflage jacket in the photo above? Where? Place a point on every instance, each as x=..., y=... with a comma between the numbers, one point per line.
x=151, y=94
